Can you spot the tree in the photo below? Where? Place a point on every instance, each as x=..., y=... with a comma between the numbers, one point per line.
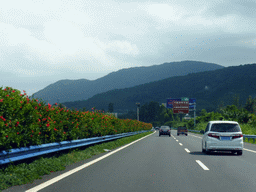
x=161, y=114
x=149, y=112
x=236, y=101
x=203, y=112
x=250, y=104
x=144, y=113
x=129, y=115
x=153, y=108
x=84, y=109
x=111, y=107
x=220, y=106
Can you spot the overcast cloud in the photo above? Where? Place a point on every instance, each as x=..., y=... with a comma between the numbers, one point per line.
x=44, y=41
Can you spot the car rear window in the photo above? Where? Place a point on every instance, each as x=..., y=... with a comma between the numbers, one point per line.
x=225, y=127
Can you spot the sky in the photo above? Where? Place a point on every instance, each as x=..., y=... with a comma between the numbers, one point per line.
x=44, y=41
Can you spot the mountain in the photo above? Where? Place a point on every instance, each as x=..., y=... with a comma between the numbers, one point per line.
x=82, y=89
x=209, y=88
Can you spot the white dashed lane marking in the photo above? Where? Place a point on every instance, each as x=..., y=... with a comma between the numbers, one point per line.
x=202, y=165
x=187, y=150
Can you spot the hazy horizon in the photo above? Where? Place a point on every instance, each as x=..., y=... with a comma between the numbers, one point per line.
x=43, y=42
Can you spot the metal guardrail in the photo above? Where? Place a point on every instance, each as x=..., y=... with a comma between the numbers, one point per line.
x=253, y=137
x=32, y=151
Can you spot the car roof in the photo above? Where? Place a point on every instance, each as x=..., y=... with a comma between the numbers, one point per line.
x=231, y=122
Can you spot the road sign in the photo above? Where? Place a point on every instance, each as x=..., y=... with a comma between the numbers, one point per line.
x=170, y=101
x=191, y=103
x=184, y=99
x=181, y=107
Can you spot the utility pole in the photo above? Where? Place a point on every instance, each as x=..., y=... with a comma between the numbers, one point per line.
x=194, y=115
x=138, y=106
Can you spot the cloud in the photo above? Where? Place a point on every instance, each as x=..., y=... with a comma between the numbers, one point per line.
x=164, y=12
x=75, y=39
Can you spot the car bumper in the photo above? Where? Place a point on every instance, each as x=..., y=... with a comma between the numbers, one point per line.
x=231, y=146
x=164, y=133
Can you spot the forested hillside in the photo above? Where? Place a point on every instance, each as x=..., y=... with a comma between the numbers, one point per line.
x=210, y=88
x=82, y=89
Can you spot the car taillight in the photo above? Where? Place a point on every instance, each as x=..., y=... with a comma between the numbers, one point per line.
x=213, y=135
x=237, y=136
x=160, y=130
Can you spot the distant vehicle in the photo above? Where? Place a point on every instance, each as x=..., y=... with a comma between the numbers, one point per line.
x=165, y=130
x=182, y=130
x=222, y=136
x=156, y=128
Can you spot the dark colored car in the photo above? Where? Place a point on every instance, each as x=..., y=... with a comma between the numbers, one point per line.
x=182, y=130
x=165, y=130
x=156, y=128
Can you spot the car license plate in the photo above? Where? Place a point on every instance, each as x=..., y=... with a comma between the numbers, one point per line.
x=226, y=138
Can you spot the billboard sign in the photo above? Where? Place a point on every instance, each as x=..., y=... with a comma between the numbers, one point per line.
x=169, y=103
x=181, y=107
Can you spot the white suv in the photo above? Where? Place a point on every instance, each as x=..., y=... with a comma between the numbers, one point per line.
x=222, y=136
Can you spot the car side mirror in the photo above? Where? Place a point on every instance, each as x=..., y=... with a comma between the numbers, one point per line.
x=202, y=131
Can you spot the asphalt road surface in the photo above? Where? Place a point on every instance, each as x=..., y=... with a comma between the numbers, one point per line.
x=156, y=163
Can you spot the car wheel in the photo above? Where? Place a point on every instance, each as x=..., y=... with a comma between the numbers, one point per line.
x=159, y=135
x=239, y=152
x=169, y=135
x=186, y=134
x=203, y=150
x=207, y=150
x=177, y=134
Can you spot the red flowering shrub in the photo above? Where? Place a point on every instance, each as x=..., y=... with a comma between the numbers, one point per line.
x=35, y=123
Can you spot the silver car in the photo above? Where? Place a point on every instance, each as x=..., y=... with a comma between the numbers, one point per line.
x=222, y=136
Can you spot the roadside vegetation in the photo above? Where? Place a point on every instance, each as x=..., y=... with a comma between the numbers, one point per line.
x=26, y=171
x=245, y=115
x=27, y=121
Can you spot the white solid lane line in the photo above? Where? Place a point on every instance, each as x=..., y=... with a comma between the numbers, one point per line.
x=187, y=150
x=250, y=150
x=55, y=179
x=202, y=165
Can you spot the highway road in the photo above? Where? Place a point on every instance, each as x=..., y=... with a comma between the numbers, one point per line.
x=156, y=163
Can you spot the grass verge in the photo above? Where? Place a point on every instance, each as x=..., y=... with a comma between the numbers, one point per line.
x=26, y=171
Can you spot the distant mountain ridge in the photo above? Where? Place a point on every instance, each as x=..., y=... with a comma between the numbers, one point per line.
x=209, y=88
x=82, y=89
